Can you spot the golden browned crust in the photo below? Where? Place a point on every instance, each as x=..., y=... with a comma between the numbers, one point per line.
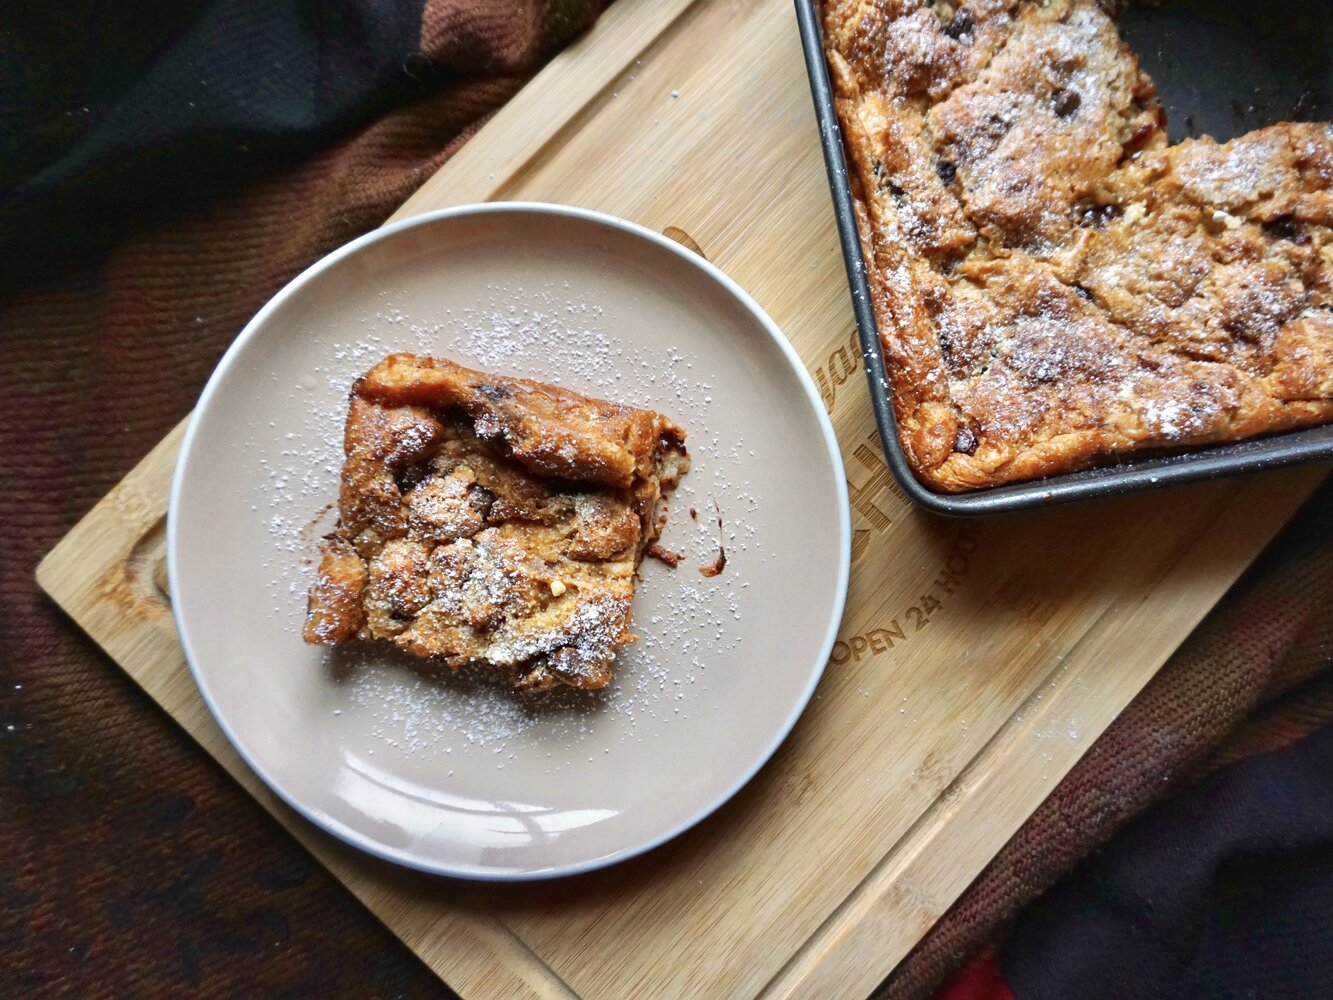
x=335, y=614
x=492, y=520
x=1054, y=284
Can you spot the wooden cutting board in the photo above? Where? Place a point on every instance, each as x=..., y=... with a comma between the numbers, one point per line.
x=977, y=661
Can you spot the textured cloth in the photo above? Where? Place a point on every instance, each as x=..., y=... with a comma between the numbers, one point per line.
x=130, y=864
x=1253, y=677
x=1226, y=891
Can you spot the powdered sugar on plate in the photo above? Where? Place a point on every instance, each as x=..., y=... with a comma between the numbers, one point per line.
x=687, y=625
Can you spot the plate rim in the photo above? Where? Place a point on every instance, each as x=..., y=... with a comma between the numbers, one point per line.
x=481, y=873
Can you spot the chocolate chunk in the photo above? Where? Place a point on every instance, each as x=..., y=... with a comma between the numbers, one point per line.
x=409, y=475
x=1142, y=135
x=1284, y=227
x=960, y=25
x=965, y=441
x=1098, y=216
x=1066, y=102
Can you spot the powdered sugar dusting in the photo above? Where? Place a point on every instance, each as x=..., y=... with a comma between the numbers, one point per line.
x=688, y=627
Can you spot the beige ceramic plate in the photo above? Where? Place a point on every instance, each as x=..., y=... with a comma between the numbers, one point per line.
x=455, y=775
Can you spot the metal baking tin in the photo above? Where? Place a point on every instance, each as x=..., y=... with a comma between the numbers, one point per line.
x=1305, y=89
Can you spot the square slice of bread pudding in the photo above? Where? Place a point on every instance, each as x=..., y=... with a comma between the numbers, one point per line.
x=492, y=521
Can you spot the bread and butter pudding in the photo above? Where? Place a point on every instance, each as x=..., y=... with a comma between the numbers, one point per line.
x=1054, y=284
x=492, y=520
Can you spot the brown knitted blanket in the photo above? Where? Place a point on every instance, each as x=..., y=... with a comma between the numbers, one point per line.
x=130, y=864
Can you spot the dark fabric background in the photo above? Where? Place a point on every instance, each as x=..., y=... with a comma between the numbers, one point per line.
x=124, y=113
x=164, y=168
x=1224, y=892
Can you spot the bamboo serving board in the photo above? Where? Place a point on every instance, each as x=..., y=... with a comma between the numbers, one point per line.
x=977, y=660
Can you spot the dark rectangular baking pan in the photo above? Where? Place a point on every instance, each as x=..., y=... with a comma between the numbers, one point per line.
x=1222, y=67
